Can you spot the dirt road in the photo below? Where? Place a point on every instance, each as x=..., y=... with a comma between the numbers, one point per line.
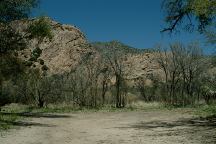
x=152, y=127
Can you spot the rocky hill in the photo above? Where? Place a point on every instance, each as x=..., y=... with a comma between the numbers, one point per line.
x=68, y=46
x=58, y=55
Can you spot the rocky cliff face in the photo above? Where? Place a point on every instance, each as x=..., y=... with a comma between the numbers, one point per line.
x=143, y=65
x=138, y=63
x=64, y=52
x=60, y=54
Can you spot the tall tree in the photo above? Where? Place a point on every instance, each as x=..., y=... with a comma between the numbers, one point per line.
x=10, y=40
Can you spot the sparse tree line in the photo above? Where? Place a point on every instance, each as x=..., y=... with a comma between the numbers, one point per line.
x=20, y=81
x=89, y=85
x=189, y=76
x=188, y=79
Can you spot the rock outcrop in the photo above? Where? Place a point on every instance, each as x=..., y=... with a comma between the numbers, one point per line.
x=60, y=54
x=64, y=52
x=138, y=63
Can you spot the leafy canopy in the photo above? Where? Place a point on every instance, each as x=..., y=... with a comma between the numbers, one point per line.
x=10, y=40
x=11, y=10
x=193, y=14
x=199, y=15
x=16, y=9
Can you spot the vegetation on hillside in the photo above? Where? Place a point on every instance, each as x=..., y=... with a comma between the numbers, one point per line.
x=106, y=47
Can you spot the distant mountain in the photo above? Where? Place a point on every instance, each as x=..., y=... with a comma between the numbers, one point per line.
x=104, y=47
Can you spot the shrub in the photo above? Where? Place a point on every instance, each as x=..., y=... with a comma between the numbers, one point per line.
x=40, y=29
x=44, y=68
x=36, y=52
x=41, y=61
x=28, y=63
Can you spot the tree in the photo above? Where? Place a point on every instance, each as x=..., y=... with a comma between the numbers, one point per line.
x=116, y=61
x=105, y=79
x=147, y=92
x=11, y=10
x=10, y=40
x=192, y=14
x=183, y=67
x=93, y=69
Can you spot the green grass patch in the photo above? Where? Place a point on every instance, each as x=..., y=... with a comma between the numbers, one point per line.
x=9, y=115
x=7, y=121
x=206, y=111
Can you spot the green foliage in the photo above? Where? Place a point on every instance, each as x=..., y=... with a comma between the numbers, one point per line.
x=206, y=111
x=15, y=9
x=191, y=14
x=7, y=121
x=177, y=10
x=40, y=29
x=44, y=68
x=32, y=59
x=35, y=54
x=213, y=60
x=4, y=98
x=211, y=36
x=41, y=61
x=28, y=63
x=10, y=40
x=10, y=66
x=203, y=8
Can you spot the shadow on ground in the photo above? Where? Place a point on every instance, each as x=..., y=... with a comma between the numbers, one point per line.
x=195, y=122
x=37, y=115
x=196, y=128
x=198, y=122
x=30, y=115
x=22, y=123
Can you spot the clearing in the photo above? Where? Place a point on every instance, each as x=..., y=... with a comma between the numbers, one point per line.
x=134, y=127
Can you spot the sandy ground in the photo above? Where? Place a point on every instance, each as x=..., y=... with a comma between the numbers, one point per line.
x=152, y=127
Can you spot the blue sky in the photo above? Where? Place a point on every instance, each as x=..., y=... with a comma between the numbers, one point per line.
x=133, y=22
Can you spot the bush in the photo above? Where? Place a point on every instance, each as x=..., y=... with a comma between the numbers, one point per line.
x=44, y=68
x=36, y=52
x=28, y=63
x=41, y=61
x=6, y=95
x=40, y=29
x=33, y=59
